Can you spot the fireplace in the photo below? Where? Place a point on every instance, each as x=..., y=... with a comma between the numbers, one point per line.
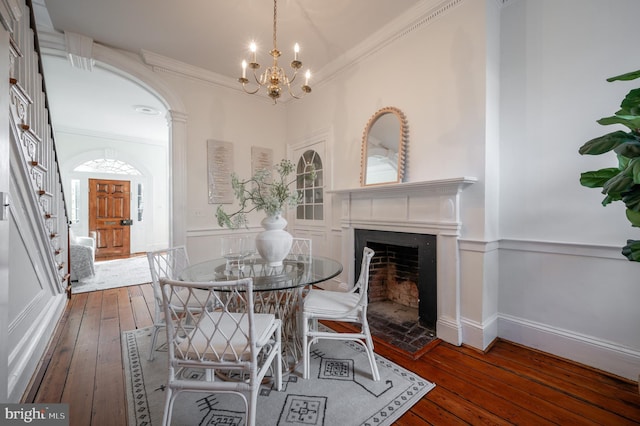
x=429, y=208
x=403, y=270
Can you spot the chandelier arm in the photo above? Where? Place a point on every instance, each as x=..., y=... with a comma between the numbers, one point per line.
x=293, y=95
x=258, y=80
x=251, y=92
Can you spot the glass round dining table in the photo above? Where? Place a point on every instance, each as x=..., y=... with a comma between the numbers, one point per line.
x=277, y=290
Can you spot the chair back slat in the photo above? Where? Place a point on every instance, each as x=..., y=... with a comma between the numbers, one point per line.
x=362, y=285
x=219, y=337
x=167, y=263
x=301, y=250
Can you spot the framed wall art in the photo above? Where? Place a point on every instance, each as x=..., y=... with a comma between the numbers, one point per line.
x=261, y=158
x=219, y=169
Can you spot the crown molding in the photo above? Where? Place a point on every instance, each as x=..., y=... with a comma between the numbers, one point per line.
x=166, y=64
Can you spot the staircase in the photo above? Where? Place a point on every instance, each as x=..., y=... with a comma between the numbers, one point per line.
x=37, y=226
x=34, y=161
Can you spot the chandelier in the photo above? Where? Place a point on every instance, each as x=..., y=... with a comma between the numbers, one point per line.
x=274, y=78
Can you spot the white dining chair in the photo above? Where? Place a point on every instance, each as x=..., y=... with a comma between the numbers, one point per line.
x=166, y=263
x=231, y=338
x=301, y=250
x=350, y=306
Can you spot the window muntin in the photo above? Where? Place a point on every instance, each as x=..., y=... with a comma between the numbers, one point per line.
x=311, y=206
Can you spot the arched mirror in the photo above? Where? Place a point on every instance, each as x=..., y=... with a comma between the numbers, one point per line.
x=383, y=147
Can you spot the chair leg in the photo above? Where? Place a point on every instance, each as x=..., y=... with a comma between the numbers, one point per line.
x=278, y=360
x=370, y=353
x=253, y=403
x=305, y=347
x=168, y=407
x=152, y=350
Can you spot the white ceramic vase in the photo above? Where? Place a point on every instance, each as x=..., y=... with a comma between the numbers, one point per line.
x=274, y=242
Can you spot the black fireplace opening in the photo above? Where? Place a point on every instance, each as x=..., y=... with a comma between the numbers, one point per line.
x=402, y=285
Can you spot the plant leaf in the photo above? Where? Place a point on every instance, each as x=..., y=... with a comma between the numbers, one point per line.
x=632, y=250
x=630, y=149
x=632, y=169
x=617, y=185
x=626, y=76
x=630, y=121
x=605, y=143
x=597, y=178
x=631, y=199
x=631, y=103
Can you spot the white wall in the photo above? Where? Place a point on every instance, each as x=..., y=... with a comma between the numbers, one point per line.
x=578, y=298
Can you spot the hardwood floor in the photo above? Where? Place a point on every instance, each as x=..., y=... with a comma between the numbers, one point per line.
x=508, y=385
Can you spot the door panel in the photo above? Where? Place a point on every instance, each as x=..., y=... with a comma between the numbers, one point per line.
x=109, y=207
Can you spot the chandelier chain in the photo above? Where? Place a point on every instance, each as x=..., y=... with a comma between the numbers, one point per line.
x=275, y=14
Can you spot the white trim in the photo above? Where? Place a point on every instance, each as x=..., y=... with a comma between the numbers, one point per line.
x=606, y=356
x=479, y=335
x=554, y=247
x=25, y=356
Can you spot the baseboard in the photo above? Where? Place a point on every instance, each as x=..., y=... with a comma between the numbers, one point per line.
x=449, y=331
x=478, y=335
x=615, y=359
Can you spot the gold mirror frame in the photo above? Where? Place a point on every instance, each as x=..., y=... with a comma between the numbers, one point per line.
x=375, y=130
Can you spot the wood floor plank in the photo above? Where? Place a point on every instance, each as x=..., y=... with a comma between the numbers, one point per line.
x=498, y=405
x=109, y=400
x=79, y=388
x=435, y=414
x=600, y=408
x=143, y=317
x=55, y=378
x=612, y=397
x=411, y=419
x=507, y=385
x=125, y=313
x=590, y=375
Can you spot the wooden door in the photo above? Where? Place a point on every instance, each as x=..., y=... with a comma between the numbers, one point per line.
x=109, y=217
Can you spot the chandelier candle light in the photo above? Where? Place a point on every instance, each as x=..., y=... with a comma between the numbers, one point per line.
x=274, y=78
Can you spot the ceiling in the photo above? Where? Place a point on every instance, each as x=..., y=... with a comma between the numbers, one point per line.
x=212, y=35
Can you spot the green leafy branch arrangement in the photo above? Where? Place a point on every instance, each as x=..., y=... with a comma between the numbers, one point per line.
x=262, y=192
x=620, y=183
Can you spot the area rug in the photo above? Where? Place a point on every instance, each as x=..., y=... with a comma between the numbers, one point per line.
x=115, y=273
x=340, y=390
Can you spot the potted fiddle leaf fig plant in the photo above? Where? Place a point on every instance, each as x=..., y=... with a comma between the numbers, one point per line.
x=271, y=191
x=621, y=183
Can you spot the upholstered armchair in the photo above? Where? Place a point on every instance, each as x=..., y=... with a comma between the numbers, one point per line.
x=83, y=255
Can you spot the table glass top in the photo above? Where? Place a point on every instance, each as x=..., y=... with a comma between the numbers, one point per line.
x=292, y=273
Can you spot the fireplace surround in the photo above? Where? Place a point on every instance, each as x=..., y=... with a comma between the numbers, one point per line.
x=431, y=208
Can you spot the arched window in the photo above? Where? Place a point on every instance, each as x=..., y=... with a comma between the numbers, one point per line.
x=311, y=207
x=105, y=165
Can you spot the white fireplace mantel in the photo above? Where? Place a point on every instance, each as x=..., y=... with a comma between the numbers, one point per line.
x=429, y=207
x=441, y=186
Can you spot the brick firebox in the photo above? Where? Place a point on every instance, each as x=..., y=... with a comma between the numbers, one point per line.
x=403, y=270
